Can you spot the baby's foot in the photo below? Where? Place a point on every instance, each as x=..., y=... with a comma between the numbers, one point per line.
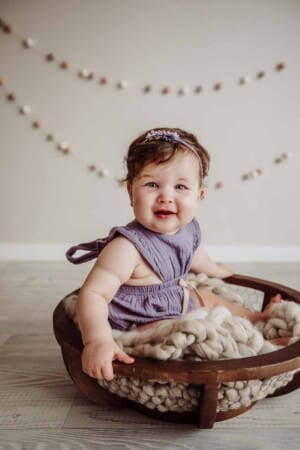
x=276, y=299
x=280, y=341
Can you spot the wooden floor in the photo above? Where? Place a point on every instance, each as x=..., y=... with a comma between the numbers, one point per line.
x=40, y=408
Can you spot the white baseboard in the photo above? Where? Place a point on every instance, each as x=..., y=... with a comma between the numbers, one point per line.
x=228, y=253
x=32, y=252
x=249, y=253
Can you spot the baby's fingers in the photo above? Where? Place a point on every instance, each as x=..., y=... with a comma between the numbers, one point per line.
x=123, y=357
x=99, y=372
x=92, y=372
x=107, y=372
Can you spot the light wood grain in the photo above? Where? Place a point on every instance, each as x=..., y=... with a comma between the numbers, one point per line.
x=139, y=439
x=40, y=408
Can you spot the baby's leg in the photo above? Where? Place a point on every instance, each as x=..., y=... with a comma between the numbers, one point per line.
x=210, y=300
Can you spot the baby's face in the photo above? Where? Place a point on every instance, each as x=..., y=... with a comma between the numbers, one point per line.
x=165, y=196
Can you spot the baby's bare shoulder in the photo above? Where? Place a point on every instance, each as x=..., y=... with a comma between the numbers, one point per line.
x=121, y=243
x=114, y=266
x=118, y=249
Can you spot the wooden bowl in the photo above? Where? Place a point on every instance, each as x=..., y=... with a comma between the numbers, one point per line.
x=205, y=374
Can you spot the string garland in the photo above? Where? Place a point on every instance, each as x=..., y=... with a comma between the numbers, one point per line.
x=60, y=145
x=101, y=171
x=87, y=75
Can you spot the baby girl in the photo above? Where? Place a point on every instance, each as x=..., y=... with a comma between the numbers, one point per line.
x=138, y=278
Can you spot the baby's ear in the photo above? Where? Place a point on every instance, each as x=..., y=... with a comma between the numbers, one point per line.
x=202, y=193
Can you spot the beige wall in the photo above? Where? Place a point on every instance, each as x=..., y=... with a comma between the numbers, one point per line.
x=50, y=198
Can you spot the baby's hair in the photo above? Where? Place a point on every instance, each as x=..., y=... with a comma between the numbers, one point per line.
x=142, y=152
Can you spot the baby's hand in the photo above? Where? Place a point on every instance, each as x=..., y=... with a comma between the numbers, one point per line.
x=97, y=357
x=224, y=271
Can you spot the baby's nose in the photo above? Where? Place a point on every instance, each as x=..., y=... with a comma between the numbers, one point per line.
x=165, y=196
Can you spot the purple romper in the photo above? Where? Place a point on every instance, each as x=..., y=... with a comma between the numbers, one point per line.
x=170, y=258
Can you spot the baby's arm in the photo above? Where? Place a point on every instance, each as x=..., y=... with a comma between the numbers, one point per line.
x=201, y=263
x=113, y=267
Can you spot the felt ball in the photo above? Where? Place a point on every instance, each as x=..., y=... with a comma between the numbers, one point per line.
x=49, y=57
x=49, y=137
x=184, y=90
x=67, y=150
x=122, y=84
x=28, y=43
x=147, y=89
x=259, y=171
x=24, y=109
x=1, y=81
x=62, y=146
x=198, y=89
x=287, y=155
x=253, y=173
x=36, y=124
x=64, y=65
x=84, y=73
x=92, y=168
x=219, y=185
x=243, y=80
x=280, y=66
x=11, y=97
x=166, y=90
x=7, y=28
x=246, y=176
x=104, y=172
x=278, y=160
x=103, y=80
x=218, y=86
x=261, y=74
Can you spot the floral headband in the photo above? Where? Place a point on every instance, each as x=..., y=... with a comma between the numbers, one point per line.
x=173, y=136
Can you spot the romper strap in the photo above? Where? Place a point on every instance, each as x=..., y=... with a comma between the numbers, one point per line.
x=186, y=289
x=92, y=251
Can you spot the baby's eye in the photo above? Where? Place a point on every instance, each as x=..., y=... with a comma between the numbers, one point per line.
x=180, y=187
x=152, y=184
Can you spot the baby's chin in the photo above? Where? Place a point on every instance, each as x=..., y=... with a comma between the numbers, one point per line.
x=161, y=229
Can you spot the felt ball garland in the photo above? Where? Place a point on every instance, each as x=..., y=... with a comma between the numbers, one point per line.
x=63, y=147
x=88, y=75
x=103, y=172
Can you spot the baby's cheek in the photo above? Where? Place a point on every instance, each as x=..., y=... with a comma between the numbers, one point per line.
x=191, y=201
x=140, y=202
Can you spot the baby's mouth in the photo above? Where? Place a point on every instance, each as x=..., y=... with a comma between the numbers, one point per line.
x=164, y=213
